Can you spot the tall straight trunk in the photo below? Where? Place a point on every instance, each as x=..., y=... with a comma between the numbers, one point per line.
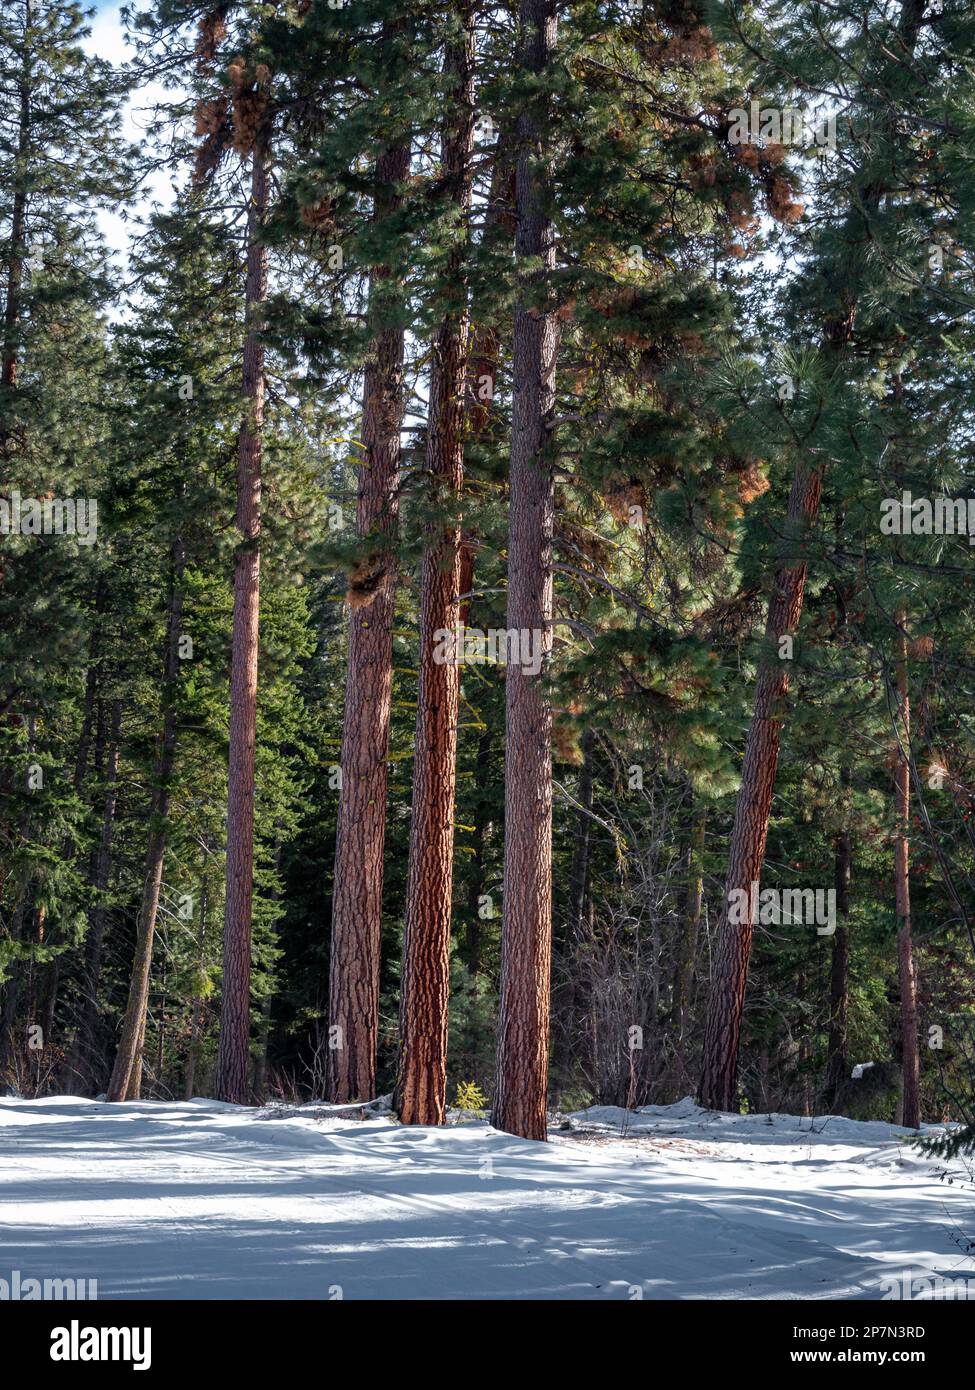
x=746, y=853
x=357, y=897
x=902, y=889
x=719, y=1075
x=526, y=949
x=837, y=1057
x=125, y=1080
x=421, y=1091
x=233, y=1060
x=84, y=1048
x=482, y=375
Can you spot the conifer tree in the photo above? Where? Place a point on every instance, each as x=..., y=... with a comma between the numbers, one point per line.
x=425, y=980
x=887, y=68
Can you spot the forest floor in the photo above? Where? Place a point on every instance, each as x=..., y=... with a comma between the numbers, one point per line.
x=202, y=1200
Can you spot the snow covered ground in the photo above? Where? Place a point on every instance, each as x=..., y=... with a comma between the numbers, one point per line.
x=203, y=1200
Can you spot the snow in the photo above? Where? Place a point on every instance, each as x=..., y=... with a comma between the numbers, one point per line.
x=202, y=1200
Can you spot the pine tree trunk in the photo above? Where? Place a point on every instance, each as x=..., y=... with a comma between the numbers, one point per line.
x=718, y=1088
x=421, y=1092
x=526, y=951
x=233, y=1062
x=902, y=889
x=837, y=1058
x=83, y=1064
x=358, y=883
x=482, y=374
x=746, y=854
x=125, y=1080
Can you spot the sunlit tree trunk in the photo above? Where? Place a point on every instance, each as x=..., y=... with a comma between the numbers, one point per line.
x=526, y=951
x=233, y=1061
x=421, y=1090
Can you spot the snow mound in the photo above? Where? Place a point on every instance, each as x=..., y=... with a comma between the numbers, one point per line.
x=687, y=1117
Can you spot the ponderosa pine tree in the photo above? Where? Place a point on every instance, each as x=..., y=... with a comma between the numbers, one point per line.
x=887, y=70
x=233, y=1070
x=523, y=1023
x=174, y=411
x=421, y=1091
x=358, y=876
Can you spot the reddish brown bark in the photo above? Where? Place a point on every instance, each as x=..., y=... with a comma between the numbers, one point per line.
x=358, y=883
x=124, y=1084
x=421, y=1092
x=233, y=1061
x=482, y=374
x=910, y=1061
x=526, y=950
x=746, y=852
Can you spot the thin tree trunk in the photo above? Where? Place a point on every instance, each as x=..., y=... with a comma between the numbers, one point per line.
x=421, y=1092
x=719, y=1076
x=482, y=374
x=82, y=1064
x=125, y=1081
x=233, y=1061
x=358, y=881
x=526, y=951
x=837, y=1058
x=902, y=889
x=746, y=853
